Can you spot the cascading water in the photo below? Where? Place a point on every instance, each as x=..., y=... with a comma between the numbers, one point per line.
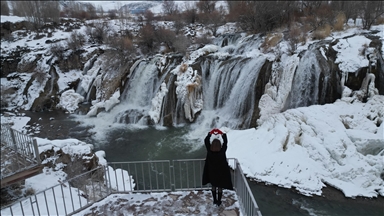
x=140, y=89
x=231, y=81
x=229, y=91
x=305, y=86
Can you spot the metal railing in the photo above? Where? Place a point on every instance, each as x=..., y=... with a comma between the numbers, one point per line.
x=25, y=148
x=76, y=194
x=246, y=199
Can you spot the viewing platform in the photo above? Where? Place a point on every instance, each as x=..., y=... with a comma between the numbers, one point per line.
x=162, y=187
x=20, y=157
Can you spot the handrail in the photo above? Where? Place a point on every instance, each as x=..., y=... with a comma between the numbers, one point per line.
x=127, y=177
x=23, y=145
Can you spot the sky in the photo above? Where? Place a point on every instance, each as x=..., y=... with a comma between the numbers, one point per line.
x=338, y=144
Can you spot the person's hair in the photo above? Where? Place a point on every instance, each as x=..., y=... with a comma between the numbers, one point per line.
x=216, y=145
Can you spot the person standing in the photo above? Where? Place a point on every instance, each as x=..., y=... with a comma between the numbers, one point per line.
x=216, y=170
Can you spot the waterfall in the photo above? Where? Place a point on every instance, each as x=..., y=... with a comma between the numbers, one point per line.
x=305, y=86
x=233, y=76
x=143, y=83
x=229, y=91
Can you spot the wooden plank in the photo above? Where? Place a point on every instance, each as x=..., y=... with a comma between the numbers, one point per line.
x=21, y=176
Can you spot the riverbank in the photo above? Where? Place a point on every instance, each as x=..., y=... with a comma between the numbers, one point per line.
x=331, y=202
x=272, y=200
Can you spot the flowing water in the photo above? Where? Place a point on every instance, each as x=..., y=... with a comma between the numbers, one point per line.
x=229, y=91
x=148, y=143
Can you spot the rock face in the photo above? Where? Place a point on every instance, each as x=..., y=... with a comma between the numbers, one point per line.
x=228, y=77
x=74, y=164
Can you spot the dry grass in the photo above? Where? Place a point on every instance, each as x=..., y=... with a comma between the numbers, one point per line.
x=323, y=32
x=297, y=35
x=339, y=22
x=270, y=41
x=127, y=43
x=380, y=20
x=183, y=67
x=29, y=192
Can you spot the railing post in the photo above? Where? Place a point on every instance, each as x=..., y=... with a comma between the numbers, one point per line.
x=37, y=154
x=172, y=175
x=108, y=179
x=13, y=139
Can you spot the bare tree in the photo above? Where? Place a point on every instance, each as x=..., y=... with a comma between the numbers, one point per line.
x=4, y=8
x=100, y=10
x=112, y=14
x=371, y=10
x=350, y=9
x=76, y=41
x=50, y=11
x=169, y=7
x=206, y=6
x=98, y=33
x=37, y=12
x=91, y=10
x=260, y=16
x=149, y=16
x=213, y=20
x=165, y=36
x=178, y=25
x=189, y=14
x=147, y=39
x=236, y=8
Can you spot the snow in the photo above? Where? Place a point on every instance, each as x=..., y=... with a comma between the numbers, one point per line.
x=350, y=53
x=12, y=19
x=154, y=113
x=312, y=146
x=69, y=100
x=302, y=148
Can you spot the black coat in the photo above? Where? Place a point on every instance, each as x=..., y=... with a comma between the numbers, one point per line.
x=216, y=169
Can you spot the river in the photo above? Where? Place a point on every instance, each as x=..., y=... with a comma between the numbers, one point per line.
x=149, y=143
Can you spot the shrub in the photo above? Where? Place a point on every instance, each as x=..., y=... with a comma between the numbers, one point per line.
x=147, y=38
x=29, y=192
x=183, y=67
x=294, y=37
x=181, y=44
x=58, y=49
x=166, y=36
x=339, y=22
x=121, y=44
x=6, y=95
x=380, y=20
x=322, y=32
x=97, y=32
x=203, y=40
x=270, y=41
x=76, y=41
x=178, y=25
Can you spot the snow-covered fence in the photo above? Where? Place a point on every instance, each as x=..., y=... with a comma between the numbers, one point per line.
x=64, y=198
x=25, y=151
x=175, y=175
x=73, y=195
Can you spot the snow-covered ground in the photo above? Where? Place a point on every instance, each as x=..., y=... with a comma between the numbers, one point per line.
x=339, y=144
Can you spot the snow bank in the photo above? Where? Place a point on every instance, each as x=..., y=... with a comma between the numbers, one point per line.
x=307, y=147
x=70, y=100
x=351, y=55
